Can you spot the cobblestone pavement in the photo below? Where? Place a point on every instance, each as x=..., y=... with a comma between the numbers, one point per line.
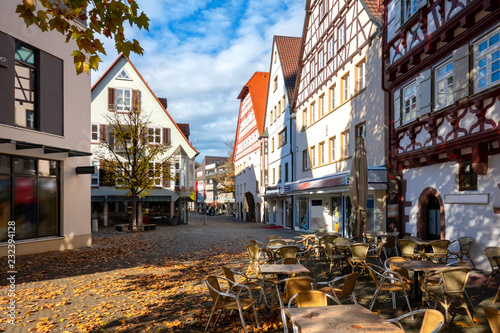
x=152, y=281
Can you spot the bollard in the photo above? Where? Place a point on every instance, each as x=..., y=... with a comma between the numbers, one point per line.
x=95, y=223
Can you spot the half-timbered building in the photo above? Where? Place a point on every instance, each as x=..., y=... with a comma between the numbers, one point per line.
x=279, y=131
x=338, y=99
x=442, y=68
x=246, y=153
x=122, y=89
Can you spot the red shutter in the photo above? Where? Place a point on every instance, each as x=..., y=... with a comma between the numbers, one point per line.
x=111, y=99
x=166, y=136
x=136, y=100
x=103, y=133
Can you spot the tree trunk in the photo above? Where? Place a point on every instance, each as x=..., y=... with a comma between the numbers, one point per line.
x=134, y=209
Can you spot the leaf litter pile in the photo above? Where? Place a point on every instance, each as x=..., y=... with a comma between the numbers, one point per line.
x=123, y=285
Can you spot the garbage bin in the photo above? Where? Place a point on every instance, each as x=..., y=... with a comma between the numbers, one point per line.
x=95, y=223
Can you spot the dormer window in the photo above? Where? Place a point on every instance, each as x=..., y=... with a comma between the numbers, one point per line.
x=123, y=75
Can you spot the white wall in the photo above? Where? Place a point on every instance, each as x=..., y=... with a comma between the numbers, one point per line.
x=477, y=221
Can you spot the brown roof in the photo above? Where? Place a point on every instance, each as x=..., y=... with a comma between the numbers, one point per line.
x=374, y=8
x=257, y=87
x=289, y=51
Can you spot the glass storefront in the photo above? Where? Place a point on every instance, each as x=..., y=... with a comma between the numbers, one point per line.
x=302, y=213
x=29, y=195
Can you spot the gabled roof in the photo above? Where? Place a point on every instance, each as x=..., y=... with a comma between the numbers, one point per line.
x=289, y=51
x=257, y=88
x=149, y=88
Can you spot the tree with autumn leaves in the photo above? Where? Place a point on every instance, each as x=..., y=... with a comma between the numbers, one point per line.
x=225, y=177
x=129, y=158
x=100, y=17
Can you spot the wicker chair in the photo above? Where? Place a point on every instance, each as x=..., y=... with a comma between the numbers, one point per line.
x=390, y=244
x=395, y=283
x=347, y=290
x=376, y=252
x=271, y=237
x=463, y=253
x=407, y=248
x=439, y=250
x=229, y=301
x=401, y=271
x=254, y=255
x=327, y=239
x=288, y=251
x=432, y=323
x=359, y=252
x=253, y=283
x=332, y=258
x=293, y=285
x=452, y=286
x=493, y=316
x=490, y=252
x=310, y=298
x=277, y=242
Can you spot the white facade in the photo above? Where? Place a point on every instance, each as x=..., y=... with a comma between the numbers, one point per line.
x=339, y=98
x=169, y=198
x=68, y=225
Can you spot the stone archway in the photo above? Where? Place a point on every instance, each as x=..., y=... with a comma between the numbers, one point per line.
x=430, y=198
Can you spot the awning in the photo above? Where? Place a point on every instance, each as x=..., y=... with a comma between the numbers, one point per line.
x=377, y=180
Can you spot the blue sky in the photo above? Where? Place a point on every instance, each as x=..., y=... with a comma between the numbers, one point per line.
x=199, y=54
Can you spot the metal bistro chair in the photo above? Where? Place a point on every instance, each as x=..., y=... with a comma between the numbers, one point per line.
x=229, y=301
x=432, y=323
x=463, y=253
x=254, y=283
x=288, y=251
x=439, y=250
x=394, y=284
x=254, y=255
x=309, y=298
x=490, y=252
x=407, y=248
x=359, y=252
x=332, y=258
x=347, y=290
x=452, y=286
x=376, y=252
x=493, y=316
x=390, y=244
x=401, y=271
x=293, y=285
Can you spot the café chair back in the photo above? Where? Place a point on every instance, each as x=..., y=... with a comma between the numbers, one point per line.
x=390, y=281
x=293, y=286
x=433, y=321
x=311, y=298
x=229, y=300
x=390, y=244
x=254, y=283
x=439, y=250
x=347, y=290
x=359, y=252
x=490, y=252
x=288, y=251
x=493, y=316
x=376, y=252
x=464, y=243
x=407, y=248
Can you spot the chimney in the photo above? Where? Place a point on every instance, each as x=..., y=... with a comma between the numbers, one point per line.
x=163, y=102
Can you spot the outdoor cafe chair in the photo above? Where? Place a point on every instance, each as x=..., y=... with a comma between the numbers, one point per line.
x=347, y=290
x=463, y=252
x=413, y=238
x=493, y=316
x=327, y=239
x=451, y=286
x=401, y=271
x=490, y=252
x=271, y=237
x=293, y=286
x=433, y=321
x=376, y=252
x=439, y=250
x=359, y=252
x=254, y=283
x=407, y=248
x=332, y=258
x=229, y=300
x=254, y=255
x=288, y=251
x=390, y=281
x=390, y=244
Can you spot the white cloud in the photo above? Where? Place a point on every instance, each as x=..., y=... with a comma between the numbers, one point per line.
x=199, y=54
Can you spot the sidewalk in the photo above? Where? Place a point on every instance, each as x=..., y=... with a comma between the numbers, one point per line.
x=136, y=282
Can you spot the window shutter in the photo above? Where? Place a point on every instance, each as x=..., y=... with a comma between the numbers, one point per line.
x=7, y=75
x=51, y=92
x=111, y=137
x=103, y=132
x=166, y=136
x=397, y=108
x=166, y=175
x=111, y=99
x=424, y=92
x=136, y=100
x=461, y=72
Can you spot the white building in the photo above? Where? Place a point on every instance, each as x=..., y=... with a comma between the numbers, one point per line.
x=44, y=114
x=246, y=153
x=277, y=140
x=119, y=90
x=338, y=98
